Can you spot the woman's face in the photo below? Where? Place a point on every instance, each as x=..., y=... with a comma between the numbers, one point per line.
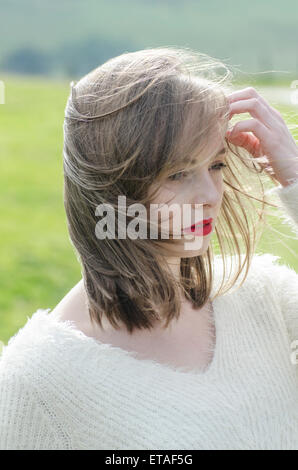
x=202, y=190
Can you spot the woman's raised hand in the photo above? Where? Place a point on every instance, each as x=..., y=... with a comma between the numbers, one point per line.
x=270, y=135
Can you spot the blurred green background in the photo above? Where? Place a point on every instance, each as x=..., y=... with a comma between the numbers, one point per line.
x=46, y=46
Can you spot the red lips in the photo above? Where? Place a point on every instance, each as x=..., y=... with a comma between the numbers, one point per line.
x=205, y=221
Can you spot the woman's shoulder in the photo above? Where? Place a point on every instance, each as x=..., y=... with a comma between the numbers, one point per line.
x=46, y=346
x=268, y=280
x=271, y=268
x=37, y=340
x=260, y=266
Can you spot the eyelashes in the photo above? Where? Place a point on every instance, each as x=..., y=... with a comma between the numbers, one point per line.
x=219, y=166
x=184, y=174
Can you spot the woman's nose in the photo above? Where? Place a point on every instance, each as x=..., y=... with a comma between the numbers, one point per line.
x=206, y=192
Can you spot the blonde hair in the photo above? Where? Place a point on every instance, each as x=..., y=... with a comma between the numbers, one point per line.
x=128, y=124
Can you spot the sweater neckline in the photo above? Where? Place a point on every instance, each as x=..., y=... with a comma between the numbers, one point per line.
x=69, y=327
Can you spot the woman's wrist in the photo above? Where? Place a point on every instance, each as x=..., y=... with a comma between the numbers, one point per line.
x=286, y=180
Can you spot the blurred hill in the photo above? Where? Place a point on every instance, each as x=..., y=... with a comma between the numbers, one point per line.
x=70, y=37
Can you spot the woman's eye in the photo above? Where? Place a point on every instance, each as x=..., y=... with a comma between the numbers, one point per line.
x=184, y=174
x=219, y=166
x=178, y=176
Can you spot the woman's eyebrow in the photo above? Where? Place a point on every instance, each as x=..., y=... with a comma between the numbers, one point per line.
x=221, y=152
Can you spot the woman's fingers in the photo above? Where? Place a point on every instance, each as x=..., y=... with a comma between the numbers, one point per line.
x=256, y=108
x=251, y=93
x=271, y=137
x=251, y=125
x=248, y=141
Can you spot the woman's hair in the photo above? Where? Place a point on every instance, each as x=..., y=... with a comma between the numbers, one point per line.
x=129, y=124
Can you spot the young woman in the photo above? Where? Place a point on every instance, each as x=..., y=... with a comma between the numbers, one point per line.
x=155, y=348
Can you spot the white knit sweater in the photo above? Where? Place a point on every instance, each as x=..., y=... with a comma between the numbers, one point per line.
x=60, y=389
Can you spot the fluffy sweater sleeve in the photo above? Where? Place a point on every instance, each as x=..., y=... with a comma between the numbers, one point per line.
x=282, y=278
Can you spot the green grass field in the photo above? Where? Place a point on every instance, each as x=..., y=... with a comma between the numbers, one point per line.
x=38, y=264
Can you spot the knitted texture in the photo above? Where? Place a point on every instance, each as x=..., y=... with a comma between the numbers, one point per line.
x=60, y=389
